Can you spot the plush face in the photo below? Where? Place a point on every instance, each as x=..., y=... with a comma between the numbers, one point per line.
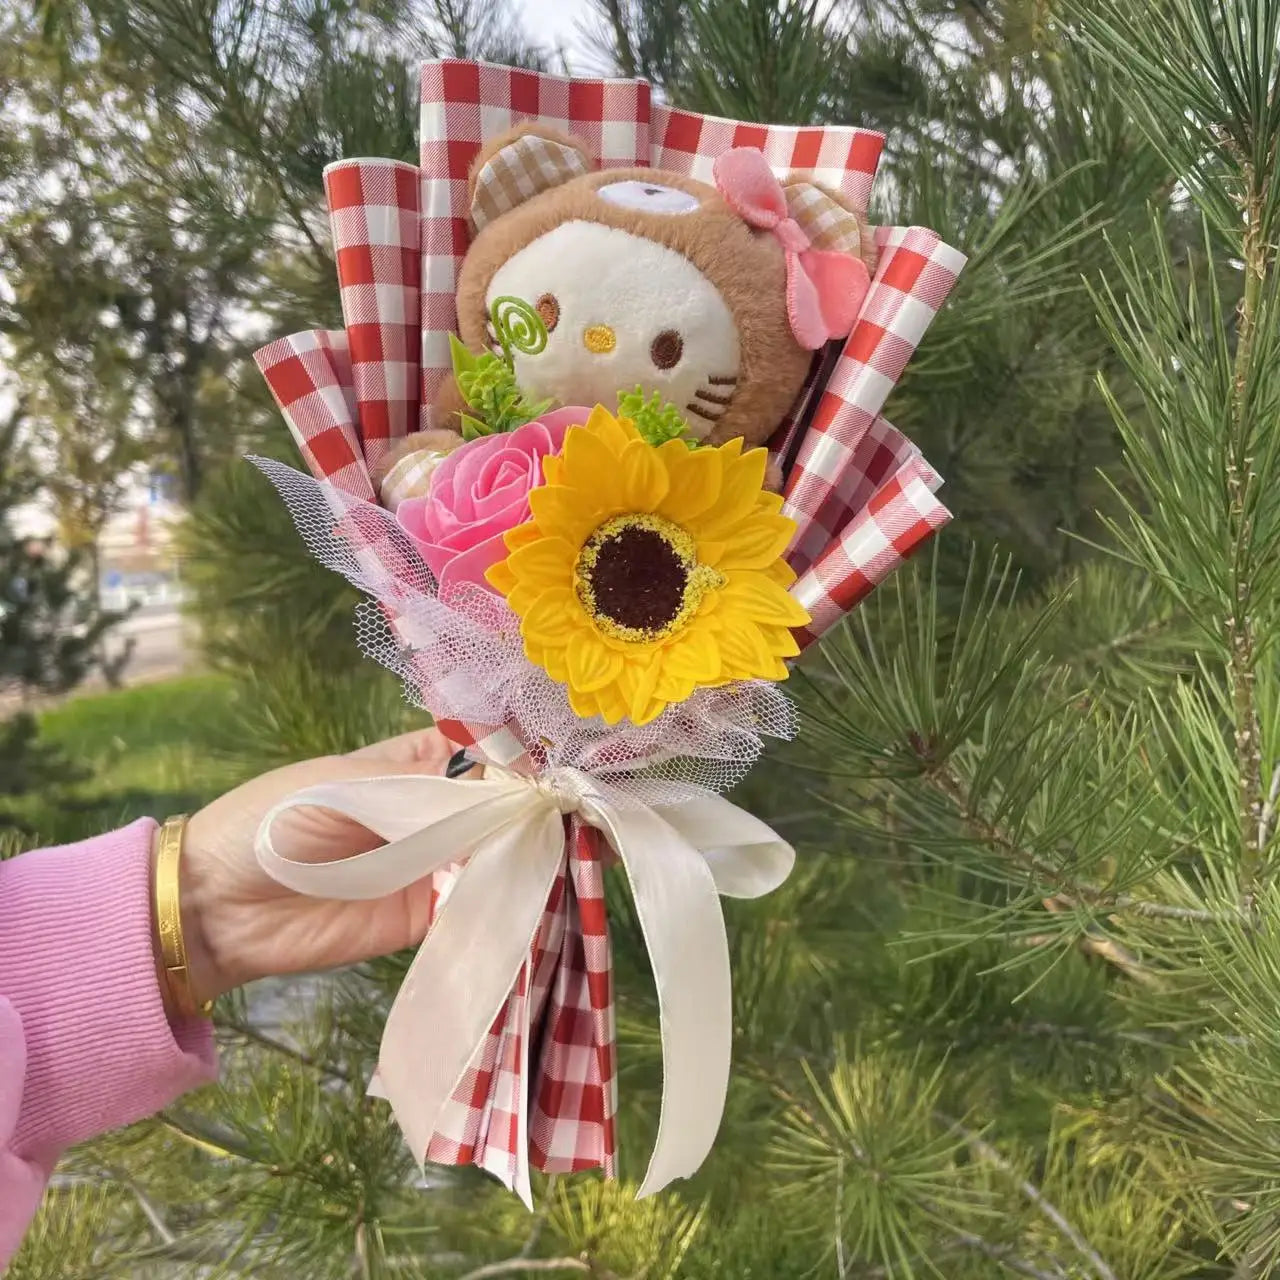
x=643, y=278
x=627, y=312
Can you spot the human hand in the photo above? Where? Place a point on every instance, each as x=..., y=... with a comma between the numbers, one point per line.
x=239, y=924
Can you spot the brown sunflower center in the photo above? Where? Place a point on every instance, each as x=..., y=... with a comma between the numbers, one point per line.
x=639, y=579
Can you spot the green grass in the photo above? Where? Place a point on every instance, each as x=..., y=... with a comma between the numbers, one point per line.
x=149, y=751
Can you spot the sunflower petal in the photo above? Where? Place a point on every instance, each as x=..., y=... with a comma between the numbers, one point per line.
x=695, y=656
x=592, y=665
x=672, y=687
x=740, y=487
x=584, y=704
x=554, y=618
x=694, y=480
x=554, y=663
x=549, y=561
x=744, y=653
x=757, y=543
x=500, y=577
x=781, y=641
x=614, y=432
x=590, y=466
x=756, y=596
x=642, y=477
x=521, y=535
x=636, y=684
x=612, y=704
x=567, y=513
x=781, y=573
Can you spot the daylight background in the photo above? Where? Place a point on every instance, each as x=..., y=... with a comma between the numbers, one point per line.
x=1015, y=1013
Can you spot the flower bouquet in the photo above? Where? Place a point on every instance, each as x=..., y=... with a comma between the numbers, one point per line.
x=596, y=595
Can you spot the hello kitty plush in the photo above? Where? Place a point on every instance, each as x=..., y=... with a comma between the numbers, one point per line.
x=715, y=297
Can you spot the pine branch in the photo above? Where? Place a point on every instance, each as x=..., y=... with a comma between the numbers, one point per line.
x=247, y=1031
x=540, y=1220
x=946, y=781
x=149, y=1210
x=531, y=1266
x=1006, y=1257
x=1240, y=639
x=985, y=1151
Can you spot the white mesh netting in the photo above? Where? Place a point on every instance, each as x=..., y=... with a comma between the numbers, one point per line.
x=463, y=660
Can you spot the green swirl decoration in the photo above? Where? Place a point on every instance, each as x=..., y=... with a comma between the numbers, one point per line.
x=518, y=327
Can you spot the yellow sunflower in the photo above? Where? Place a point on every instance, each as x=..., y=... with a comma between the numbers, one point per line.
x=647, y=572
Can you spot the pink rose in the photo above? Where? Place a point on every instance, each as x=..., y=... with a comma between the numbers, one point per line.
x=477, y=493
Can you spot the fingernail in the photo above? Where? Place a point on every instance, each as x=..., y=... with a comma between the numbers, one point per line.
x=458, y=765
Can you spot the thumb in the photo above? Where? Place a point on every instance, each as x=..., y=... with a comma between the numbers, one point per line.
x=421, y=750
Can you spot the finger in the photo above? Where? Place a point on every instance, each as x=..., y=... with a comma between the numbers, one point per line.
x=425, y=748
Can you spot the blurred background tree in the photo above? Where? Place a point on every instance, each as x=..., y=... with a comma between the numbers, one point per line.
x=1014, y=1013
x=51, y=627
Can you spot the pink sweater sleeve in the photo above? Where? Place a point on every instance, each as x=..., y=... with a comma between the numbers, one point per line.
x=84, y=1042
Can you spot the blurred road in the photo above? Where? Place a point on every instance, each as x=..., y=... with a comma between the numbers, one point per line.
x=160, y=647
x=160, y=650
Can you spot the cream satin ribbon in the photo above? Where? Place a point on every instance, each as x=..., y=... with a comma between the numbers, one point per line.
x=508, y=829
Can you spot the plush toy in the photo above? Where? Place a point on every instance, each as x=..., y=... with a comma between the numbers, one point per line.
x=713, y=298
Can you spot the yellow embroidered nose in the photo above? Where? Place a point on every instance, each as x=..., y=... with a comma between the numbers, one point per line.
x=599, y=338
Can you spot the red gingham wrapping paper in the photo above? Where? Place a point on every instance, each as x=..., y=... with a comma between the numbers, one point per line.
x=830, y=479
x=544, y=1079
x=900, y=516
x=310, y=376
x=376, y=224
x=840, y=157
x=571, y=1126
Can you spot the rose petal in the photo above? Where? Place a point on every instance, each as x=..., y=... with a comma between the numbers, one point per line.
x=479, y=492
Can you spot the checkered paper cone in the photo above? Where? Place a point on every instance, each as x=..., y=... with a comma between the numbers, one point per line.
x=376, y=223
x=540, y=1090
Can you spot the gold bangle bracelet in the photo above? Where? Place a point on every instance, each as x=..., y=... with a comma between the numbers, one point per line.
x=173, y=947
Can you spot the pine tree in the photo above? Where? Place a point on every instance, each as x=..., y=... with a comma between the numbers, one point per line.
x=1014, y=1013
x=50, y=624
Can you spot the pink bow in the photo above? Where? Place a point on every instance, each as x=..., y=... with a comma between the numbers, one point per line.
x=825, y=289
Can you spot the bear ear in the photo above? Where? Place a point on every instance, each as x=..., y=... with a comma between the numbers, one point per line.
x=520, y=164
x=829, y=223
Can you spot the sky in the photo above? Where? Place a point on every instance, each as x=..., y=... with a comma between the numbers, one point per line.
x=556, y=24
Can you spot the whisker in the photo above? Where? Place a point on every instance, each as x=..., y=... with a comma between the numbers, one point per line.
x=702, y=413
x=729, y=381
x=713, y=399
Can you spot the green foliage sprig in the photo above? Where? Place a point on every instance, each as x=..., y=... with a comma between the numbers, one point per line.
x=488, y=381
x=488, y=384
x=656, y=420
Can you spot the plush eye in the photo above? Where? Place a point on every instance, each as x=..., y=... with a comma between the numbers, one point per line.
x=666, y=349
x=650, y=197
x=549, y=309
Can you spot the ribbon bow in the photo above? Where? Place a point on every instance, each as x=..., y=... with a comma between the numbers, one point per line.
x=510, y=830
x=825, y=288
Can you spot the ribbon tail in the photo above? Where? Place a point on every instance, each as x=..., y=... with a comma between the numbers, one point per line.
x=747, y=857
x=679, y=913
x=464, y=971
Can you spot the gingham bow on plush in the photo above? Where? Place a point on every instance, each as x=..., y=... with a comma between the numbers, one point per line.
x=677, y=857
x=539, y=1089
x=824, y=288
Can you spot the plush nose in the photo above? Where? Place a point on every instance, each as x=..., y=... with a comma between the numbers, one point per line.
x=599, y=338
